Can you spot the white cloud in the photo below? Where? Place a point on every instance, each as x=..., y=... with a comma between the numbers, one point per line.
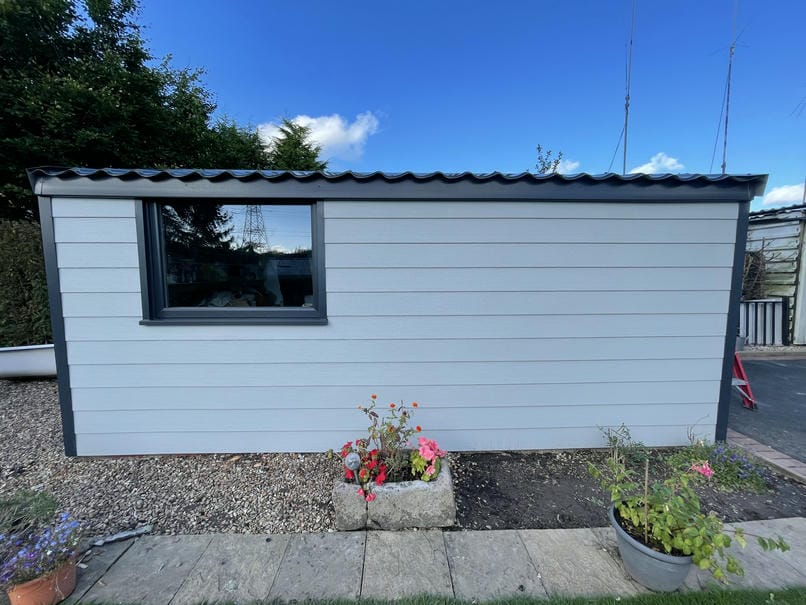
x=787, y=194
x=567, y=166
x=660, y=163
x=337, y=137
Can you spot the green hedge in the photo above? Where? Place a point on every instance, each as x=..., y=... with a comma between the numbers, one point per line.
x=24, y=310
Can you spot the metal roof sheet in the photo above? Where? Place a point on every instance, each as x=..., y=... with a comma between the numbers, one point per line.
x=746, y=185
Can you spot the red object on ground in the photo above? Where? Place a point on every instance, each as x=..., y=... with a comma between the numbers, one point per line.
x=742, y=383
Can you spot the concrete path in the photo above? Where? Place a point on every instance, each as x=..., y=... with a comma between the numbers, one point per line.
x=472, y=565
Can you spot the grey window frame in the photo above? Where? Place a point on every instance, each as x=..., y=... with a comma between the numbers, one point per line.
x=153, y=283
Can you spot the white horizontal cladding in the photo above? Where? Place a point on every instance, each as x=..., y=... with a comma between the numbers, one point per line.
x=92, y=207
x=527, y=230
x=82, y=256
x=340, y=256
x=102, y=304
x=192, y=398
x=363, y=351
x=99, y=280
x=398, y=373
x=344, y=304
x=527, y=279
x=306, y=440
x=89, y=230
x=349, y=419
x=392, y=328
x=527, y=209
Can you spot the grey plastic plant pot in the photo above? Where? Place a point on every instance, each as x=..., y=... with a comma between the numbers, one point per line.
x=655, y=570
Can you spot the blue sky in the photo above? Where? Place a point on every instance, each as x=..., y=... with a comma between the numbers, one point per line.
x=454, y=86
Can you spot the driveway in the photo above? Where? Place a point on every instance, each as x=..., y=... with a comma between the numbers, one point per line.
x=779, y=386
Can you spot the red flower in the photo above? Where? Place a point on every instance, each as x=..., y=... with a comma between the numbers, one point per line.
x=418, y=428
x=362, y=474
x=374, y=396
x=392, y=405
x=372, y=464
x=370, y=497
x=414, y=404
x=348, y=474
x=360, y=491
x=381, y=477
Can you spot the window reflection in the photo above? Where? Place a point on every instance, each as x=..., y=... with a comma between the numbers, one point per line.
x=237, y=255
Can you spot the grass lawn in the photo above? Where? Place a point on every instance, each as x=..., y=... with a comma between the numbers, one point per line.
x=791, y=596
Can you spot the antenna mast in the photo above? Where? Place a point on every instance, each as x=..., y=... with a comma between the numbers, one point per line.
x=727, y=93
x=627, y=96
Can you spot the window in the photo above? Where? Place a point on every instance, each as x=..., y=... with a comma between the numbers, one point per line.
x=232, y=262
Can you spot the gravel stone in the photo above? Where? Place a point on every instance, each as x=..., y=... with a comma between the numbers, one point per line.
x=189, y=494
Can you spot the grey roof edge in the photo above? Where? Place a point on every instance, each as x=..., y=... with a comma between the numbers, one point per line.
x=780, y=213
x=120, y=181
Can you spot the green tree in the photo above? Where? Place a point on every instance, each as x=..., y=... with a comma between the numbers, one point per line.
x=292, y=149
x=545, y=163
x=77, y=88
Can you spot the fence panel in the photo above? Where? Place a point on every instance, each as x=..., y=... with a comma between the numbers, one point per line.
x=764, y=321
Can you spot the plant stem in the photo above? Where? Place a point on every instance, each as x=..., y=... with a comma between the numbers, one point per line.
x=646, y=501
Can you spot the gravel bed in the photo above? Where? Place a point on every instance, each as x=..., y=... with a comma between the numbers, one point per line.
x=251, y=493
x=776, y=348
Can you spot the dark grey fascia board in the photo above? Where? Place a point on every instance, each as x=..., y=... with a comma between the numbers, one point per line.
x=57, y=324
x=381, y=190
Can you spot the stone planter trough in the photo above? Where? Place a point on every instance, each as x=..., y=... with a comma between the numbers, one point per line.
x=397, y=505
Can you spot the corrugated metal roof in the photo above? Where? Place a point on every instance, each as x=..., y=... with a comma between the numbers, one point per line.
x=795, y=212
x=143, y=182
x=186, y=174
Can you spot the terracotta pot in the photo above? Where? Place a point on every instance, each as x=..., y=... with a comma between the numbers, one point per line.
x=47, y=590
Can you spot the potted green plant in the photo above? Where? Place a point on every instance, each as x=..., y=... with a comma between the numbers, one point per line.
x=660, y=527
x=37, y=550
x=390, y=482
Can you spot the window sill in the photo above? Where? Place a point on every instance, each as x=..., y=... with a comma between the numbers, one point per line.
x=236, y=321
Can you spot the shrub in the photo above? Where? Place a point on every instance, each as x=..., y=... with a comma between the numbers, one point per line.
x=24, y=310
x=734, y=469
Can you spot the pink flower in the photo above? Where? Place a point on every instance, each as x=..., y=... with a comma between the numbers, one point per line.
x=430, y=470
x=360, y=491
x=704, y=469
x=426, y=452
x=370, y=497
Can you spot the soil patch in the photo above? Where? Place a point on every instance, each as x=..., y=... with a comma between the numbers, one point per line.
x=548, y=490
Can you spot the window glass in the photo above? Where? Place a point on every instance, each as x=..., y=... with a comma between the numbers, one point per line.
x=237, y=255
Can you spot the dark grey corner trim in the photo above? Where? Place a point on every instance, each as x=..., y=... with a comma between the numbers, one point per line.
x=57, y=324
x=726, y=387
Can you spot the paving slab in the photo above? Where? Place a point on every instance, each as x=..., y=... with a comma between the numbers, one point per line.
x=565, y=556
x=234, y=569
x=150, y=572
x=321, y=566
x=97, y=560
x=401, y=564
x=764, y=569
x=491, y=565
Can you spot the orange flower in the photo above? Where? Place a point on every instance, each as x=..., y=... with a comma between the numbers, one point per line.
x=392, y=405
x=374, y=396
x=414, y=404
x=418, y=428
